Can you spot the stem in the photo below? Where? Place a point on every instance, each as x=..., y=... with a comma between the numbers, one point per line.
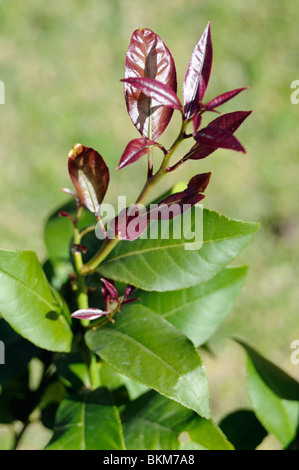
x=81, y=292
x=151, y=182
x=82, y=301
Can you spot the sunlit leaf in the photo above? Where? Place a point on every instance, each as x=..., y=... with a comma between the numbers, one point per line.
x=89, y=174
x=148, y=57
x=198, y=73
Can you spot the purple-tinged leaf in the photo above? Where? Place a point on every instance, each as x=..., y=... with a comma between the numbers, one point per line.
x=198, y=74
x=129, y=290
x=161, y=93
x=230, y=122
x=130, y=223
x=67, y=215
x=89, y=313
x=221, y=99
x=199, y=183
x=70, y=192
x=89, y=174
x=174, y=206
x=214, y=136
x=109, y=289
x=135, y=150
x=129, y=301
x=178, y=203
x=148, y=57
x=197, y=118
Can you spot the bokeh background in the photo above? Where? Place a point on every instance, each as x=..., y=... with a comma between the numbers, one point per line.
x=61, y=63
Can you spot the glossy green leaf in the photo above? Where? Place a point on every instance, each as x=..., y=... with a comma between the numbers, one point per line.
x=29, y=305
x=205, y=434
x=198, y=311
x=87, y=421
x=278, y=416
x=149, y=350
x=243, y=429
x=281, y=383
x=112, y=380
x=164, y=264
x=154, y=422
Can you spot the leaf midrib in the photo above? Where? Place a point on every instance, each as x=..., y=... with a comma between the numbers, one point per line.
x=167, y=247
x=145, y=348
x=204, y=294
x=33, y=292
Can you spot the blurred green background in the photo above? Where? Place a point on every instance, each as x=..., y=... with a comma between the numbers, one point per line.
x=61, y=63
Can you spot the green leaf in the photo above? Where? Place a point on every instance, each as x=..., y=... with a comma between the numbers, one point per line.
x=29, y=305
x=146, y=348
x=163, y=264
x=18, y=353
x=204, y=434
x=278, y=416
x=275, y=378
x=153, y=422
x=113, y=380
x=87, y=421
x=243, y=429
x=198, y=311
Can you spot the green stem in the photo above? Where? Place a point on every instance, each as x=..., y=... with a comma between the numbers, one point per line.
x=81, y=292
x=151, y=182
x=82, y=301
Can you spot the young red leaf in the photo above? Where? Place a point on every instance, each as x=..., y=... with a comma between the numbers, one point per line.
x=129, y=301
x=197, y=118
x=230, y=122
x=135, y=150
x=198, y=74
x=176, y=204
x=199, y=183
x=214, y=136
x=161, y=93
x=89, y=313
x=70, y=192
x=130, y=223
x=129, y=290
x=67, y=215
x=108, y=288
x=89, y=174
x=221, y=99
x=148, y=57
